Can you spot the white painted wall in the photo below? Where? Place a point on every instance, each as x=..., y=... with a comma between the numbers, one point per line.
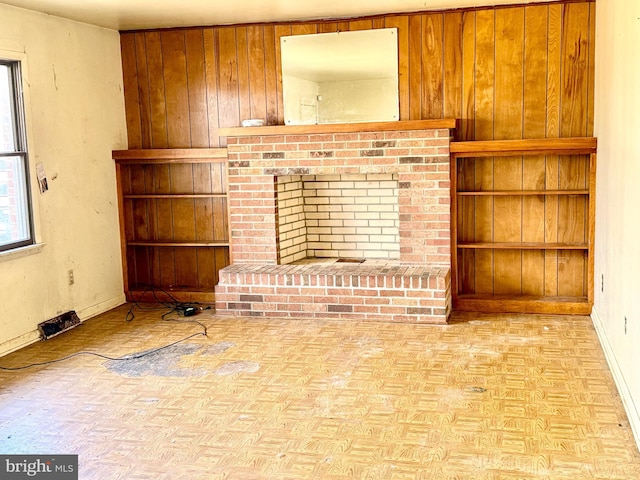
x=75, y=117
x=617, y=256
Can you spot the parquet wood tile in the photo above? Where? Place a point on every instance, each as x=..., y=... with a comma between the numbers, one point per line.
x=485, y=397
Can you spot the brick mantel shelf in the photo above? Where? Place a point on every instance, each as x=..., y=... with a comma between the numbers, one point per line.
x=407, y=164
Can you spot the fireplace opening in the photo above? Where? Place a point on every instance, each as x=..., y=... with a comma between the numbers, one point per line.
x=348, y=217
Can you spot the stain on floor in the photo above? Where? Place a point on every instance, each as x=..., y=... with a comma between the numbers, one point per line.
x=179, y=360
x=232, y=368
x=160, y=363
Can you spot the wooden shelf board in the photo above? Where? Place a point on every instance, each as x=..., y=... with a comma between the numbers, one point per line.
x=146, y=243
x=497, y=193
x=187, y=294
x=175, y=195
x=514, y=148
x=524, y=246
x=170, y=155
x=448, y=123
x=522, y=304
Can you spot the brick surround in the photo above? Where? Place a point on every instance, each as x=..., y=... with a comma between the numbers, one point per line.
x=414, y=280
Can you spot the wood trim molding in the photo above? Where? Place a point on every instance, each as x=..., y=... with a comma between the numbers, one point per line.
x=449, y=123
x=551, y=146
x=150, y=154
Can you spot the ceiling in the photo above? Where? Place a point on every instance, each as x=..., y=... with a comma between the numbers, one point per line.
x=146, y=14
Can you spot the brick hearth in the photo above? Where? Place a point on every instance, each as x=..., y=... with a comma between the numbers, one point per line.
x=411, y=283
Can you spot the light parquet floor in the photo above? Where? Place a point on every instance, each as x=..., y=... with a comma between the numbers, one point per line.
x=486, y=397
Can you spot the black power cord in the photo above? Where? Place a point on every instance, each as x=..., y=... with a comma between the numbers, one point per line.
x=184, y=309
x=106, y=357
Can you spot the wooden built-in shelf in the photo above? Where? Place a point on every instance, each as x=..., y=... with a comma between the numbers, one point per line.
x=169, y=155
x=169, y=194
x=153, y=243
x=513, y=193
x=150, y=294
x=176, y=195
x=566, y=166
x=513, y=148
x=447, y=123
x=524, y=246
x=524, y=304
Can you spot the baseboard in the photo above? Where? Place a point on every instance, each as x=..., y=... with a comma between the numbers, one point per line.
x=97, y=309
x=84, y=314
x=19, y=342
x=627, y=400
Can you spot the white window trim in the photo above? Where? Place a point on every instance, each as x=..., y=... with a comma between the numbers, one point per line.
x=38, y=244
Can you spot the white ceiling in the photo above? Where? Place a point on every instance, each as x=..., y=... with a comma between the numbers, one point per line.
x=146, y=14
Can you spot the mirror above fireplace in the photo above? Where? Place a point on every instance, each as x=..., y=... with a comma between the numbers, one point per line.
x=340, y=77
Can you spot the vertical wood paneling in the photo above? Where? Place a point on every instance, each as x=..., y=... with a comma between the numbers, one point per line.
x=432, y=66
x=402, y=24
x=270, y=80
x=592, y=66
x=361, y=24
x=184, y=223
x=535, y=71
x=484, y=108
x=466, y=224
x=467, y=124
x=130, y=84
x=575, y=69
x=257, y=78
x=467, y=260
x=508, y=171
x=329, y=27
x=197, y=89
x=452, y=61
x=554, y=70
x=176, y=88
x=505, y=72
x=304, y=29
x=143, y=90
x=211, y=83
x=280, y=31
x=415, y=67
x=228, y=96
x=244, y=84
x=534, y=126
x=574, y=122
x=157, y=102
x=441, y=57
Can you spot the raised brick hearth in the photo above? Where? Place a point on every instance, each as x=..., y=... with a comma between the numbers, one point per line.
x=400, y=232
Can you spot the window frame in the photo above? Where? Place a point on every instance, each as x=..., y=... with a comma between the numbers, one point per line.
x=21, y=151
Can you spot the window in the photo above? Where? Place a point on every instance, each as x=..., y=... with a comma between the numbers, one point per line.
x=16, y=227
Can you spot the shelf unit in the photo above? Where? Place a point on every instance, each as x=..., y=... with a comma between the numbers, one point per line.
x=523, y=225
x=173, y=222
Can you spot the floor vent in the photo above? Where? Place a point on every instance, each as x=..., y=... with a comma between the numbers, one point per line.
x=58, y=325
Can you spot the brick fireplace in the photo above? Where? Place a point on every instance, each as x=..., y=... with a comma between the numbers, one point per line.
x=348, y=221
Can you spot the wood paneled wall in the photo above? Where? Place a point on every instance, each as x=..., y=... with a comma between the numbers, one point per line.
x=506, y=72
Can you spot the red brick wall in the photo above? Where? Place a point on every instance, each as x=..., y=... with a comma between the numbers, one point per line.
x=420, y=158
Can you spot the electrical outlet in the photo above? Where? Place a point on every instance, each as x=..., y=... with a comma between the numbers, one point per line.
x=70, y=277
